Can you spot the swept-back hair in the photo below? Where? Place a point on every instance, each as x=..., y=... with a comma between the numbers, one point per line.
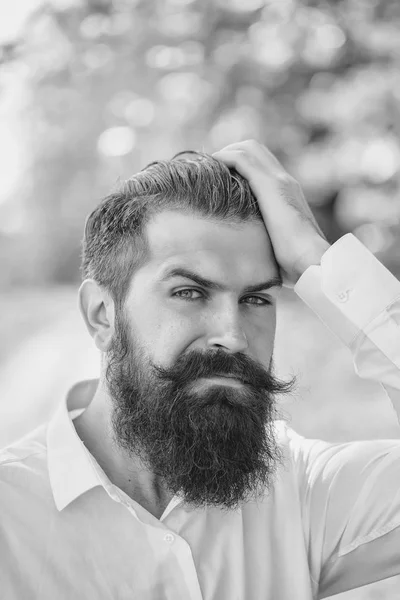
x=115, y=245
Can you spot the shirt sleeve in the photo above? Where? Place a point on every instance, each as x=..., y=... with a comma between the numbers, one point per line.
x=358, y=299
x=350, y=506
x=350, y=493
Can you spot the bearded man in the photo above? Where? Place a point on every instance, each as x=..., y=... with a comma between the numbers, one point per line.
x=171, y=478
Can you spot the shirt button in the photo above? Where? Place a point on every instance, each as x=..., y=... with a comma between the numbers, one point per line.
x=343, y=296
x=169, y=538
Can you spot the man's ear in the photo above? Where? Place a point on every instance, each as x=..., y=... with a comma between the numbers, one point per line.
x=98, y=311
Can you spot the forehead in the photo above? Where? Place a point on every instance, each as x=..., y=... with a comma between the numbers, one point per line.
x=215, y=249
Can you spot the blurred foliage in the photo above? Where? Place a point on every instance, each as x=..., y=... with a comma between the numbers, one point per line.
x=92, y=90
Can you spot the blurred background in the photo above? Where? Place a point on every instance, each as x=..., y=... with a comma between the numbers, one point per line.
x=93, y=90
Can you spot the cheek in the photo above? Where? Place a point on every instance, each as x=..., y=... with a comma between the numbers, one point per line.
x=261, y=336
x=163, y=333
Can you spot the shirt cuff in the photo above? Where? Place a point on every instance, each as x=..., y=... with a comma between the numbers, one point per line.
x=349, y=289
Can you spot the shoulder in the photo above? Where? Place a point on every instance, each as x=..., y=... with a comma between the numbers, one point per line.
x=26, y=500
x=23, y=452
x=24, y=478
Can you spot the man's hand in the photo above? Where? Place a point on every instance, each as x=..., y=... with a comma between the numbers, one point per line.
x=297, y=240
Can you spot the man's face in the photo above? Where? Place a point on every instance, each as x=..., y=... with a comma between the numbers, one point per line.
x=190, y=367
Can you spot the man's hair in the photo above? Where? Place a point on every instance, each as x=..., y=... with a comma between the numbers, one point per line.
x=115, y=243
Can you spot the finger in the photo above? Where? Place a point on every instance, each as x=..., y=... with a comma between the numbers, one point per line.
x=244, y=159
x=236, y=160
x=234, y=157
x=251, y=147
x=255, y=148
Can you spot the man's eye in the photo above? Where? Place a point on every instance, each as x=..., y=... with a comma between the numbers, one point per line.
x=185, y=294
x=260, y=301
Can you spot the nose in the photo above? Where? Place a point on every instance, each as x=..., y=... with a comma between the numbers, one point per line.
x=227, y=332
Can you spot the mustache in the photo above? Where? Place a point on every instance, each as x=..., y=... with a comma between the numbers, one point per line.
x=195, y=365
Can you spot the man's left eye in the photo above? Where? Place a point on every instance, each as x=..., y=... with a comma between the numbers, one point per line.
x=262, y=301
x=185, y=297
x=186, y=294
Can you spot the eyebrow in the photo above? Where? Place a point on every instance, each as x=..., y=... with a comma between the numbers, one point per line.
x=213, y=285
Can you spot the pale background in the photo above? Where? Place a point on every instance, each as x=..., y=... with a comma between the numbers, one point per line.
x=92, y=90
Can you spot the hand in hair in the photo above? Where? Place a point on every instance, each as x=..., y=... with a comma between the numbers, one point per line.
x=297, y=240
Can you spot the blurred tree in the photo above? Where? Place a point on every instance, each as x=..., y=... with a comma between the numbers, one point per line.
x=108, y=86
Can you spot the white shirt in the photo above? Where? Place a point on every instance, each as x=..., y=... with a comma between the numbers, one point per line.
x=330, y=522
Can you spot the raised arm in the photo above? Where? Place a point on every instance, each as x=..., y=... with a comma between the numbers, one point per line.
x=344, y=284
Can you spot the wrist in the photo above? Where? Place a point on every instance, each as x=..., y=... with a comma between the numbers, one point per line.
x=312, y=256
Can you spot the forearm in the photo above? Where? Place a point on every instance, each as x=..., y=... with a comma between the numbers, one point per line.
x=311, y=257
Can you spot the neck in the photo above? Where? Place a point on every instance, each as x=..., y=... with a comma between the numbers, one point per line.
x=126, y=472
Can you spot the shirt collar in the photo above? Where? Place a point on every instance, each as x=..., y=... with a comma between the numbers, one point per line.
x=72, y=469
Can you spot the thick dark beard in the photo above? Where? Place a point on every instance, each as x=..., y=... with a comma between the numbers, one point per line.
x=213, y=445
